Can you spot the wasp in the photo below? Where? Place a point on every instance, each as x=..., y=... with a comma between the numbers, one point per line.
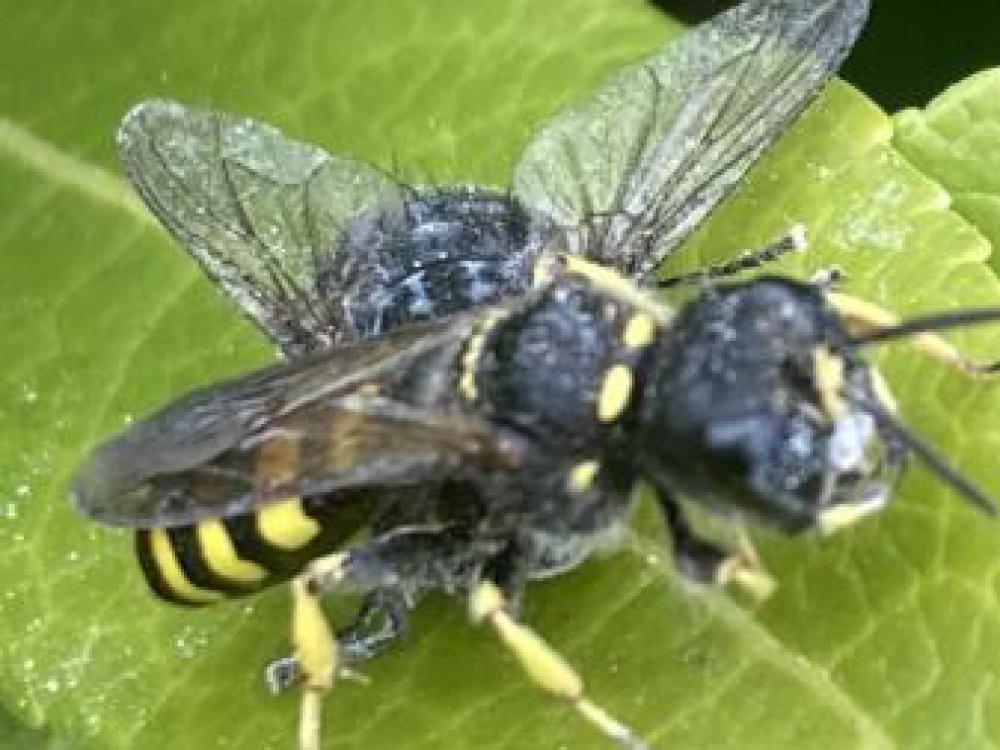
x=476, y=379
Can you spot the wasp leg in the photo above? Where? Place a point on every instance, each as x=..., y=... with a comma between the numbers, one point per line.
x=794, y=241
x=407, y=561
x=865, y=317
x=282, y=674
x=843, y=515
x=382, y=619
x=316, y=653
x=705, y=562
x=546, y=667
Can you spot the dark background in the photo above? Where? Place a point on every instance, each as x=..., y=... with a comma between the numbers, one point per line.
x=910, y=51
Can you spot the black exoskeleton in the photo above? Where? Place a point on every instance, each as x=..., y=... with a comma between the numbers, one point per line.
x=734, y=408
x=478, y=378
x=552, y=407
x=434, y=253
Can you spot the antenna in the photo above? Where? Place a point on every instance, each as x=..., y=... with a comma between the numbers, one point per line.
x=931, y=458
x=935, y=322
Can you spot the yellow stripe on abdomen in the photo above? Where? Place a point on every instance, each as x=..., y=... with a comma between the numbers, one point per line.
x=285, y=525
x=171, y=573
x=220, y=556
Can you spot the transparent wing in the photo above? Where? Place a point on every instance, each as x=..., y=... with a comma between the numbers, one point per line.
x=631, y=170
x=340, y=419
x=260, y=212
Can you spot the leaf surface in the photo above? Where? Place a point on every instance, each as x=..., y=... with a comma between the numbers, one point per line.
x=882, y=637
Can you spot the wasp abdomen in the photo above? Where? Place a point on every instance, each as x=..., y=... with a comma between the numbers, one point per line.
x=215, y=558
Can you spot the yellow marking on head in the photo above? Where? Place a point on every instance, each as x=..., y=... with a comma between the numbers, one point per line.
x=285, y=525
x=220, y=555
x=611, y=282
x=842, y=515
x=581, y=476
x=616, y=389
x=474, y=350
x=639, y=331
x=828, y=371
x=173, y=576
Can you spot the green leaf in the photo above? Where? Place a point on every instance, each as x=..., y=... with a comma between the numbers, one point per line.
x=956, y=141
x=882, y=637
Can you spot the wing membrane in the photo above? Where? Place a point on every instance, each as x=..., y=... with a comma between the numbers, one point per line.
x=345, y=418
x=259, y=211
x=631, y=170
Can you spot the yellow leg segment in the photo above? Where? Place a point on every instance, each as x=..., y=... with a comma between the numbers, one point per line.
x=546, y=667
x=744, y=569
x=316, y=661
x=315, y=646
x=863, y=317
x=316, y=651
x=310, y=719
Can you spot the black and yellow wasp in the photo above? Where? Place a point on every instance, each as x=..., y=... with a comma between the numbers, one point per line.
x=476, y=379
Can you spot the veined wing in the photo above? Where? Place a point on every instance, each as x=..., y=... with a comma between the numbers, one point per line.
x=370, y=414
x=632, y=169
x=260, y=212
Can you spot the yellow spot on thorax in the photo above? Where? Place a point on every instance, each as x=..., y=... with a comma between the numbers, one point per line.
x=220, y=555
x=474, y=350
x=639, y=331
x=581, y=476
x=172, y=574
x=602, y=279
x=285, y=525
x=611, y=282
x=616, y=389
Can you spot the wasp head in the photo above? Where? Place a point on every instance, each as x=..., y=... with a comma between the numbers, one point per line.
x=758, y=401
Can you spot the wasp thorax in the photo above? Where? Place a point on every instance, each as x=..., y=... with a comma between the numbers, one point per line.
x=755, y=402
x=435, y=252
